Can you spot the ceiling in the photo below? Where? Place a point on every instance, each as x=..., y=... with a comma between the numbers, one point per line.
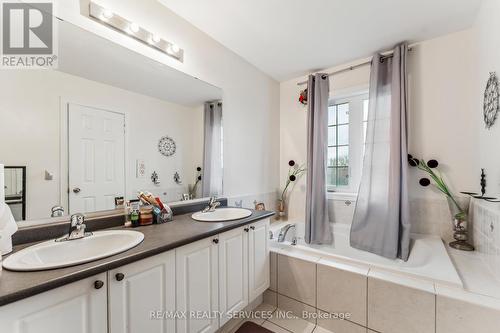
x=109, y=63
x=288, y=38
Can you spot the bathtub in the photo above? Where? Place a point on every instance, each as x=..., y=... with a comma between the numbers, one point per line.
x=428, y=259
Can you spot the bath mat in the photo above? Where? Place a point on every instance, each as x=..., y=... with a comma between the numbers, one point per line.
x=250, y=327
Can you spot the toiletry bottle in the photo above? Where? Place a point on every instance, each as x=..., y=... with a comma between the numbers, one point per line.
x=134, y=212
x=134, y=218
x=126, y=212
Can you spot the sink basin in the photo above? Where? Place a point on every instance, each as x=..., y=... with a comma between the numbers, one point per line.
x=52, y=254
x=222, y=214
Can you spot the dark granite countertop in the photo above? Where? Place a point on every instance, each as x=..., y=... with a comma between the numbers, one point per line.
x=158, y=238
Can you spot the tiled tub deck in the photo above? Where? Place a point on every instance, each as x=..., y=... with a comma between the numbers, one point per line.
x=376, y=300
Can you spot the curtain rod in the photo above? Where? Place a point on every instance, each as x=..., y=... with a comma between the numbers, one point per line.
x=385, y=55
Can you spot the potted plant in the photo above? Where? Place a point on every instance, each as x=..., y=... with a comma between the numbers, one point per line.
x=458, y=212
x=193, y=188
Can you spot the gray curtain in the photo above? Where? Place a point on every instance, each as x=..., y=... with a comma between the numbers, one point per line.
x=318, y=229
x=211, y=179
x=381, y=219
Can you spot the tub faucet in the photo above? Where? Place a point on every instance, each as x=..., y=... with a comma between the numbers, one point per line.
x=56, y=211
x=284, y=231
x=212, y=204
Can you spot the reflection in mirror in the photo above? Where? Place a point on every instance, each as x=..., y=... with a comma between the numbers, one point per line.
x=105, y=125
x=212, y=180
x=15, y=190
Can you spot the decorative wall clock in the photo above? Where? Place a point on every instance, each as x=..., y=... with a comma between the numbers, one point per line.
x=491, y=100
x=166, y=146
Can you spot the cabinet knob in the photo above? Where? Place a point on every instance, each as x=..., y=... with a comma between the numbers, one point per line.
x=98, y=284
x=119, y=276
x=252, y=227
x=216, y=241
x=246, y=229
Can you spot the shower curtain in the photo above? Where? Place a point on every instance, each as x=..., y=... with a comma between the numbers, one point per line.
x=381, y=219
x=318, y=229
x=211, y=180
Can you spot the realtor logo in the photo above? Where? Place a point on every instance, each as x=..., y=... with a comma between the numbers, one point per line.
x=28, y=35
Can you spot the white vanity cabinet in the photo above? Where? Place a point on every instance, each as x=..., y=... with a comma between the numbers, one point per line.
x=258, y=259
x=197, y=286
x=79, y=307
x=233, y=271
x=221, y=275
x=142, y=295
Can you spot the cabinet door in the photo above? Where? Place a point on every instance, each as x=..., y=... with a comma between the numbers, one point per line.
x=79, y=307
x=142, y=296
x=197, y=286
x=259, y=262
x=233, y=272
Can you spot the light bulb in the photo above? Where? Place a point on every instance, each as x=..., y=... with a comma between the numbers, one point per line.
x=107, y=14
x=134, y=27
x=175, y=48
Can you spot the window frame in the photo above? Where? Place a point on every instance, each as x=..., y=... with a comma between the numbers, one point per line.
x=338, y=145
x=355, y=97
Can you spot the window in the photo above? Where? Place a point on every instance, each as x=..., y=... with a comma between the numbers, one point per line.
x=338, y=145
x=347, y=122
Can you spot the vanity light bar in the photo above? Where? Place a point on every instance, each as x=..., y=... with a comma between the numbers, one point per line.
x=107, y=17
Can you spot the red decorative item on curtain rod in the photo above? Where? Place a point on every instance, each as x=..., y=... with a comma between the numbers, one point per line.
x=303, y=97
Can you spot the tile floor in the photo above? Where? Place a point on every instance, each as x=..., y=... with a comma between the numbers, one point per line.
x=278, y=324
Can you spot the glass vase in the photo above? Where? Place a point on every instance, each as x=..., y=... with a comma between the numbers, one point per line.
x=281, y=207
x=460, y=217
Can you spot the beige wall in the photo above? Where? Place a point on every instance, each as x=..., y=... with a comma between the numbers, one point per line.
x=487, y=30
x=442, y=110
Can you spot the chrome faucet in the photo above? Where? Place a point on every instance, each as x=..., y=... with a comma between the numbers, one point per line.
x=56, y=211
x=284, y=231
x=212, y=204
x=76, y=229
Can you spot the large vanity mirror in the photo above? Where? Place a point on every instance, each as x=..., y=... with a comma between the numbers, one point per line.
x=103, y=126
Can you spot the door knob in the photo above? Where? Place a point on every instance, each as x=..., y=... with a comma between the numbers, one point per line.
x=216, y=241
x=76, y=190
x=246, y=229
x=119, y=276
x=252, y=227
x=98, y=284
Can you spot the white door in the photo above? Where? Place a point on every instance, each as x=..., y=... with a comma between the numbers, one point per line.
x=79, y=307
x=233, y=271
x=142, y=295
x=13, y=182
x=197, y=286
x=96, y=153
x=259, y=258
